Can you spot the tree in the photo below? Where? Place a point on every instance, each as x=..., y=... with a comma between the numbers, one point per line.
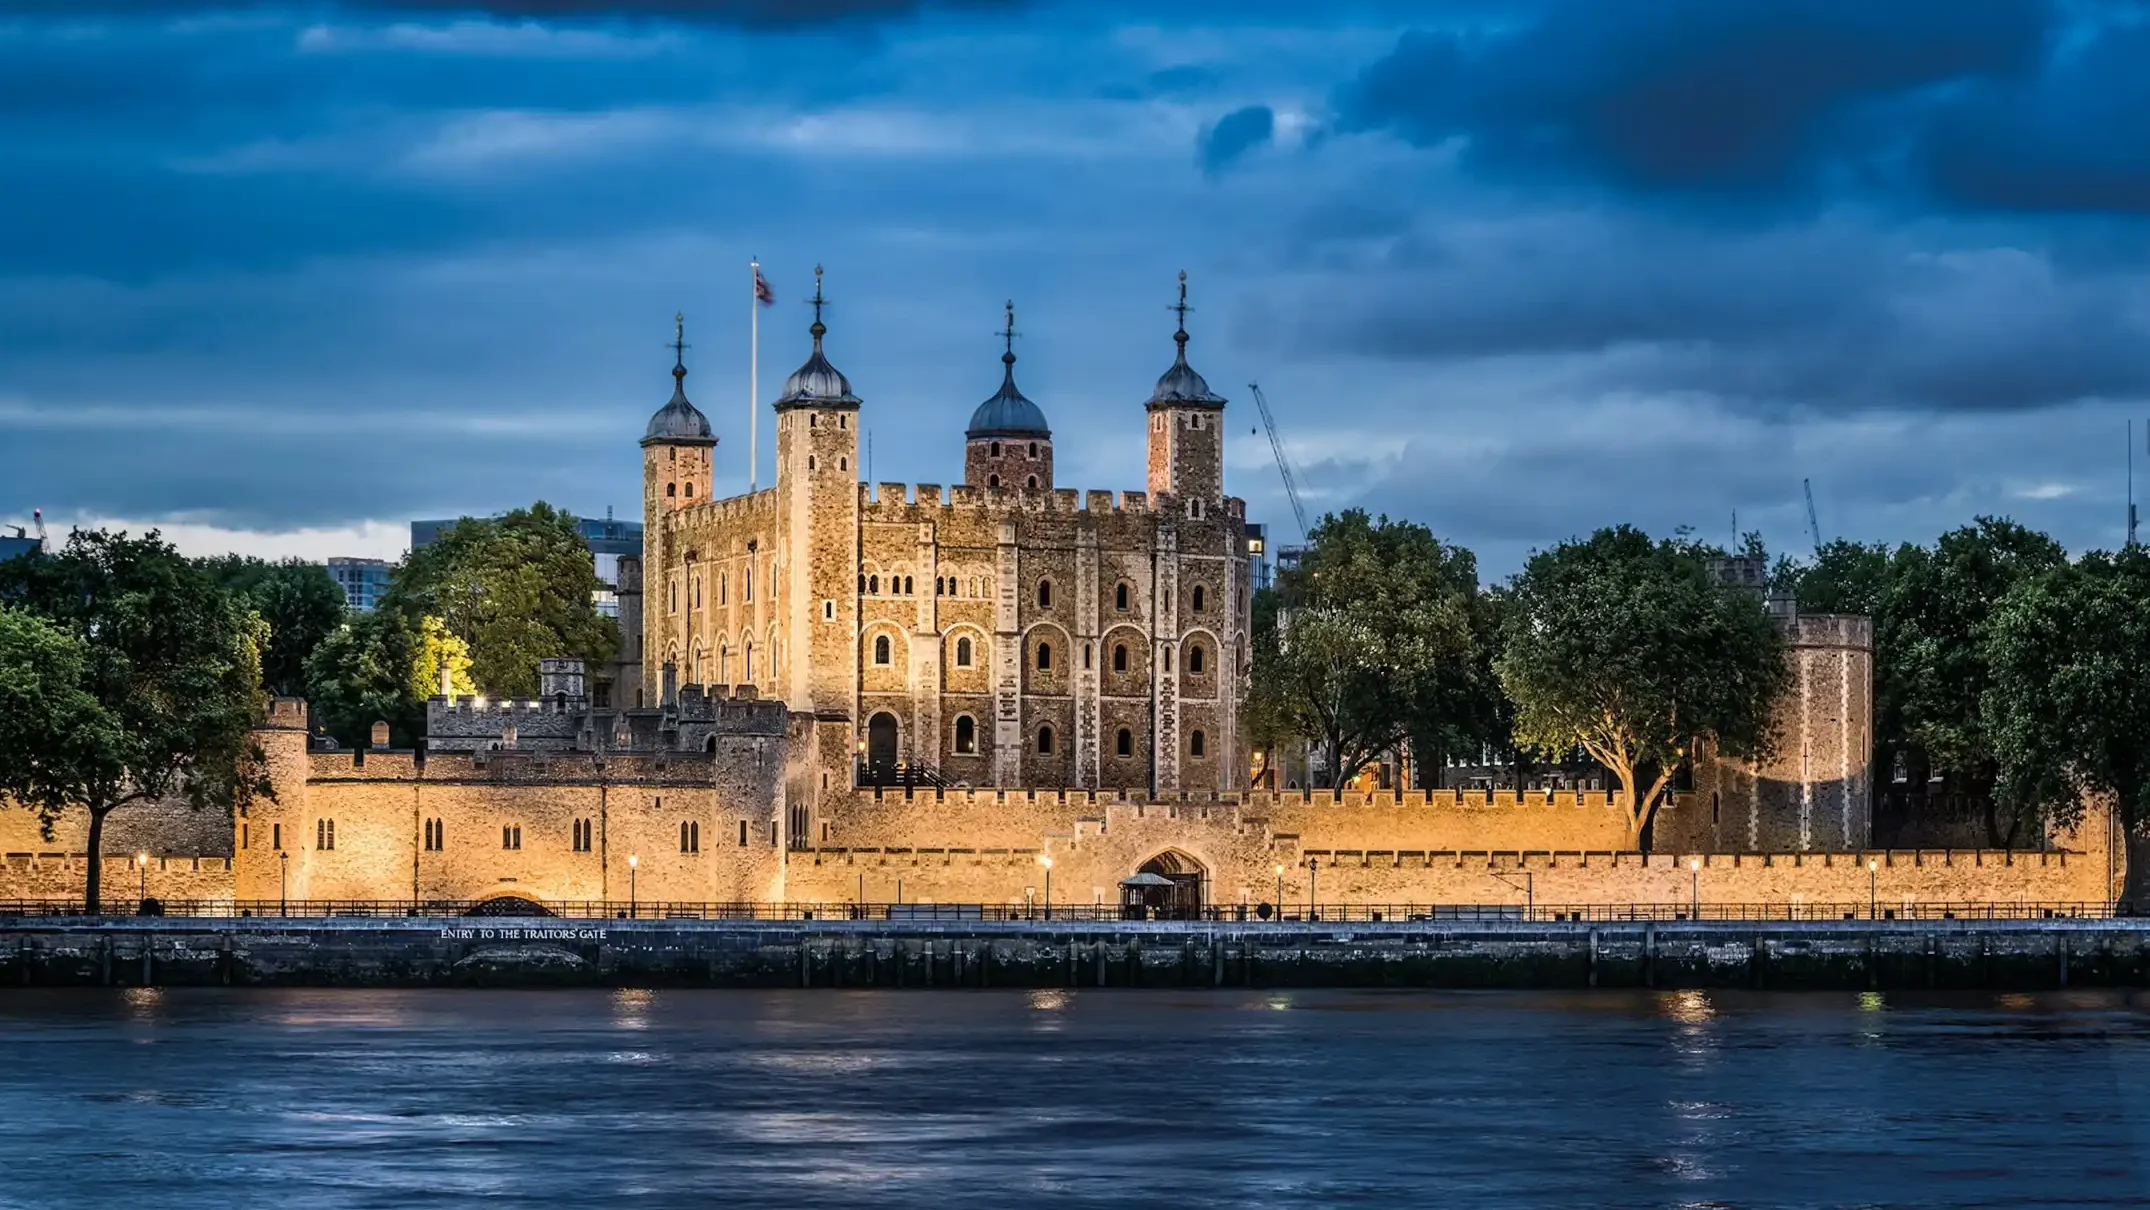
x=377, y=667
x=2067, y=697
x=516, y=589
x=1845, y=577
x=1362, y=639
x=174, y=664
x=299, y=601
x=52, y=728
x=1930, y=652
x=1626, y=648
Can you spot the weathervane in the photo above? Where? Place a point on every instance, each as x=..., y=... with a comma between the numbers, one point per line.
x=1180, y=337
x=1008, y=335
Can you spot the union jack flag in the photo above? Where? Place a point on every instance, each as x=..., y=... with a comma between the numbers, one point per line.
x=762, y=293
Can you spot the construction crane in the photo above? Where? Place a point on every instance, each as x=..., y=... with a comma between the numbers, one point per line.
x=1276, y=444
x=1814, y=526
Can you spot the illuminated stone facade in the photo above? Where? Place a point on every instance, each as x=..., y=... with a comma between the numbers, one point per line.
x=1004, y=633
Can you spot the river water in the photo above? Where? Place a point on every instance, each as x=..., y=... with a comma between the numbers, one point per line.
x=295, y=1099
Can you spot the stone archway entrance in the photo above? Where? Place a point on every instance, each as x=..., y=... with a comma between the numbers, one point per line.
x=1169, y=886
x=881, y=741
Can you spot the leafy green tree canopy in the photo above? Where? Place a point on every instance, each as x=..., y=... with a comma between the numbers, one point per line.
x=1362, y=639
x=1626, y=648
x=377, y=667
x=300, y=602
x=2067, y=698
x=172, y=662
x=515, y=589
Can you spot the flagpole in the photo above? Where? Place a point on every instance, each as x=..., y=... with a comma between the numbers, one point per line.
x=754, y=377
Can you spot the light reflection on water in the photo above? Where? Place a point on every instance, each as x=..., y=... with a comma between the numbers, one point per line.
x=385, y=1100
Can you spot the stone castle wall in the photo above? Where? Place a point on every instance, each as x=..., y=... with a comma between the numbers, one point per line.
x=986, y=847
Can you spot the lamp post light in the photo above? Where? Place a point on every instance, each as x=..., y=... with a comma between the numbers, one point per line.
x=141, y=865
x=633, y=861
x=1313, y=869
x=1280, y=891
x=1694, y=872
x=1047, y=861
x=283, y=883
x=1873, y=886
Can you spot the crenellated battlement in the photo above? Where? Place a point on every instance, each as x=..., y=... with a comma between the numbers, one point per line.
x=756, y=507
x=887, y=502
x=1829, y=630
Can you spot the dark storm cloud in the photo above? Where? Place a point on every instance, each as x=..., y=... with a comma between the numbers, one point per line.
x=2073, y=139
x=1751, y=98
x=1832, y=315
x=751, y=13
x=1235, y=134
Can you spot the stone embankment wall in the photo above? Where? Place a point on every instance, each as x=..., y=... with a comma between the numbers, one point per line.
x=465, y=952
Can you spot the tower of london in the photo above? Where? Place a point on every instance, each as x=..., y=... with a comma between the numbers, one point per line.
x=1005, y=632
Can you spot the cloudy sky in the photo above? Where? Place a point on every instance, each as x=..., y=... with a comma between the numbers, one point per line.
x=280, y=276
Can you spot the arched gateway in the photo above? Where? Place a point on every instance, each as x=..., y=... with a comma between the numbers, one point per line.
x=1169, y=886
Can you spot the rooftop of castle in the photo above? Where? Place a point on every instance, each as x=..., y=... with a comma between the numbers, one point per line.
x=678, y=420
x=1008, y=413
x=817, y=383
x=1180, y=385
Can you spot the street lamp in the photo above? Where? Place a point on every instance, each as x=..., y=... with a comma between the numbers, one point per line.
x=1047, y=861
x=632, y=862
x=1313, y=868
x=141, y=864
x=1873, y=882
x=1280, y=891
x=283, y=883
x=1694, y=871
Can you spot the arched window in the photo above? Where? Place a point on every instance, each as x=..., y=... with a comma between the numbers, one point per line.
x=813, y=421
x=1119, y=657
x=690, y=488
x=1045, y=656
x=1168, y=659
x=690, y=837
x=1195, y=659
x=1086, y=657
x=809, y=462
x=750, y=660
x=907, y=586
x=1031, y=482
x=1194, y=744
x=939, y=582
x=992, y=480
x=962, y=653
x=671, y=489
x=966, y=735
x=873, y=585
x=1045, y=741
x=843, y=464
x=880, y=649
x=1124, y=742
x=996, y=449
x=1194, y=508
x=1045, y=594
x=1198, y=598
x=862, y=583
x=1033, y=449
x=1119, y=598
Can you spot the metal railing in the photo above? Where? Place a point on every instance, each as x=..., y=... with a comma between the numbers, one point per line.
x=1398, y=913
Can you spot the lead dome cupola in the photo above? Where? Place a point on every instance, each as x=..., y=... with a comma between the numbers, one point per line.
x=817, y=383
x=678, y=419
x=1180, y=385
x=1008, y=413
